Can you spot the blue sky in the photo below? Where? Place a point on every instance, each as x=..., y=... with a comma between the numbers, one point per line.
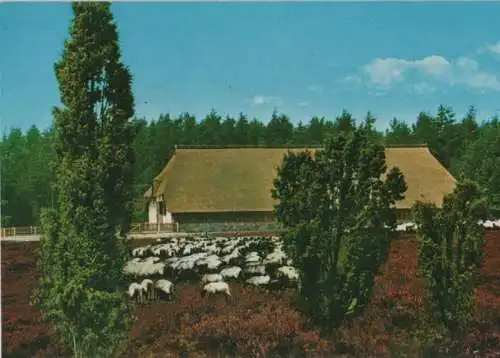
x=304, y=59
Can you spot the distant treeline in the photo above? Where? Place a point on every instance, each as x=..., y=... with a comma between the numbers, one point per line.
x=467, y=148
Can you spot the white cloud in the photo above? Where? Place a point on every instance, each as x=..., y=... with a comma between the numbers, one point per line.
x=387, y=71
x=303, y=104
x=464, y=71
x=351, y=79
x=495, y=48
x=263, y=99
x=315, y=88
x=469, y=73
x=377, y=93
x=423, y=88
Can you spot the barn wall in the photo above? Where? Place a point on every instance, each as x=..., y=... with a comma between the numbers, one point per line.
x=167, y=218
x=155, y=216
x=230, y=217
x=404, y=215
x=152, y=212
x=249, y=217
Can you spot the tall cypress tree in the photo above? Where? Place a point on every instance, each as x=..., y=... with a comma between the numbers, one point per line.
x=82, y=287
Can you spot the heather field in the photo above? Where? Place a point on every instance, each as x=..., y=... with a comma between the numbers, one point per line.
x=257, y=323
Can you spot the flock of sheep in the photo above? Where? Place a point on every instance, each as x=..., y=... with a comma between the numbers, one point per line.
x=211, y=261
x=411, y=226
x=215, y=261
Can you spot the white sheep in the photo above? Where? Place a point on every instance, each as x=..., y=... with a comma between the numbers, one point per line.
x=187, y=262
x=259, y=280
x=405, y=226
x=148, y=287
x=136, y=291
x=166, y=249
x=212, y=262
x=252, y=257
x=187, y=249
x=151, y=259
x=183, y=265
x=140, y=251
x=147, y=269
x=231, y=272
x=171, y=260
x=274, y=258
x=258, y=269
x=204, y=260
x=213, y=288
x=233, y=255
x=211, y=277
x=130, y=268
x=227, y=249
x=289, y=272
x=489, y=224
x=164, y=288
x=212, y=249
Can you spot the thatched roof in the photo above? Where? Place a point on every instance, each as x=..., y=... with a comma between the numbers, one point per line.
x=240, y=179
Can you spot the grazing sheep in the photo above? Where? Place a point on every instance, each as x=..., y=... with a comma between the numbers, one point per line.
x=147, y=269
x=134, y=268
x=171, y=260
x=136, y=292
x=212, y=262
x=148, y=286
x=212, y=277
x=252, y=257
x=233, y=255
x=164, y=289
x=212, y=249
x=289, y=272
x=405, y=227
x=489, y=224
x=183, y=265
x=213, y=288
x=187, y=249
x=274, y=258
x=151, y=259
x=164, y=250
x=227, y=249
x=230, y=272
x=259, y=280
x=141, y=251
x=130, y=268
x=257, y=263
x=259, y=269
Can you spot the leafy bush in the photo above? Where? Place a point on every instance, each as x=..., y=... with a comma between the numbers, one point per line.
x=339, y=215
x=451, y=252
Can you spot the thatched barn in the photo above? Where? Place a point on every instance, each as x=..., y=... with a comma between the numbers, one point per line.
x=233, y=184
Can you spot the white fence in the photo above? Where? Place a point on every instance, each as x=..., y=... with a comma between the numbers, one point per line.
x=138, y=228
x=21, y=231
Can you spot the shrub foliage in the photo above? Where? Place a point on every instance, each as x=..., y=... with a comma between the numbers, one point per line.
x=339, y=213
x=451, y=250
